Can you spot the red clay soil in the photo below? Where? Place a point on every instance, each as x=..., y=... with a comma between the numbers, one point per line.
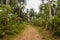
x=29, y=34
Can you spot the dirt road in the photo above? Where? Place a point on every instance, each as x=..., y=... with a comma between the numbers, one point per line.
x=29, y=34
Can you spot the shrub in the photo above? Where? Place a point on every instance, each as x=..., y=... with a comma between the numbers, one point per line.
x=56, y=23
x=41, y=22
x=10, y=24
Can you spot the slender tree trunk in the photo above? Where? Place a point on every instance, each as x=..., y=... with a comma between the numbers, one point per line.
x=7, y=2
x=42, y=1
x=50, y=15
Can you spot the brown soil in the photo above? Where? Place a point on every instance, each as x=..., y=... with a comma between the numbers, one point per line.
x=29, y=34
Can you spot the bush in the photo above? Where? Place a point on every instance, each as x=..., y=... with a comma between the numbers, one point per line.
x=41, y=22
x=56, y=23
x=10, y=24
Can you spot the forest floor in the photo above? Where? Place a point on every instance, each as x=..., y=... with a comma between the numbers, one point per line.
x=29, y=34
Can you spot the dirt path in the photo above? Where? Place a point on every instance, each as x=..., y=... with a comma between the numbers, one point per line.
x=29, y=34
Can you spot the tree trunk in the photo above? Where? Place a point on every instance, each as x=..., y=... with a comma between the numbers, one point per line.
x=7, y=2
x=42, y=1
x=50, y=15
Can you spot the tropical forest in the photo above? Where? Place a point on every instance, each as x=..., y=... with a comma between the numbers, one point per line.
x=29, y=20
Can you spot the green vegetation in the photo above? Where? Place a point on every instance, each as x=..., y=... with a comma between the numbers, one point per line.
x=10, y=24
x=49, y=27
x=13, y=19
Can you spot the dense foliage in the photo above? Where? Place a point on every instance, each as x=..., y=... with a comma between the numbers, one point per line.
x=43, y=19
x=12, y=17
x=10, y=24
x=56, y=25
